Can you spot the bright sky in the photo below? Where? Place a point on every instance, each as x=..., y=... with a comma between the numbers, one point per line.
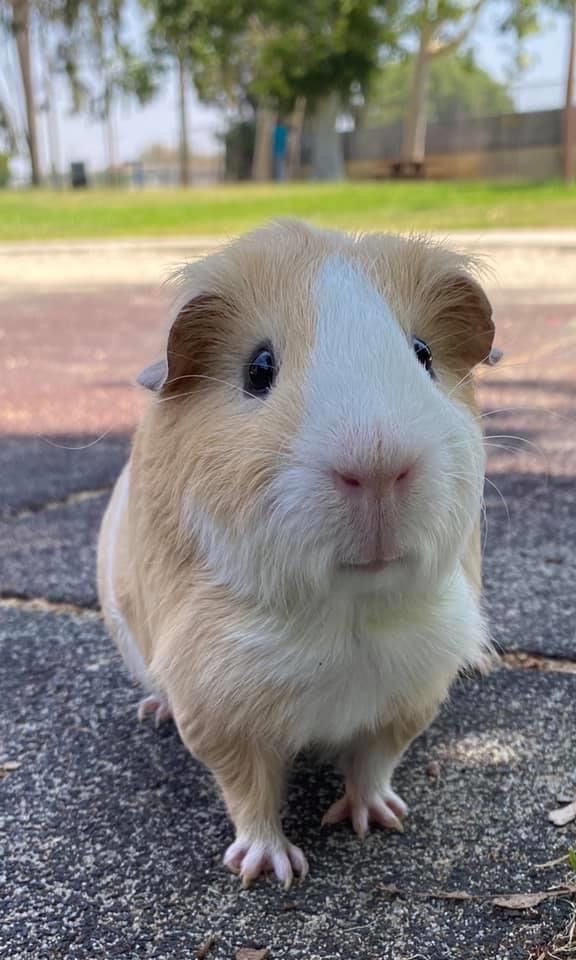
x=540, y=87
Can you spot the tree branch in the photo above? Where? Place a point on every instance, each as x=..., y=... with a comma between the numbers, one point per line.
x=439, y=49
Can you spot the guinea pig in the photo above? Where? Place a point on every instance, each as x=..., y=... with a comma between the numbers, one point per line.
x=291, y=556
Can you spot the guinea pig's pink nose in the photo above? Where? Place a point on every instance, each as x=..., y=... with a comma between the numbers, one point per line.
x=374, y=483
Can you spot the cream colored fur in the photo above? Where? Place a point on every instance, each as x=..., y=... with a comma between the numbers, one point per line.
x=219, y=590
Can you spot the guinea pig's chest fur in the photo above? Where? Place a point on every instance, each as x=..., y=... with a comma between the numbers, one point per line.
x=354, y=663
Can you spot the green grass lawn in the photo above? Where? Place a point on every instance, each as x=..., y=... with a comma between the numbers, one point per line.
x=43, y=215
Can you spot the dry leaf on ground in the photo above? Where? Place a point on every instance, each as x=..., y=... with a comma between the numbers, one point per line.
x=427, y=894
x=206, y=947
x=248, y=953
x=520, y=901
x=509, y=901
x=525, y=901
x=563, y=815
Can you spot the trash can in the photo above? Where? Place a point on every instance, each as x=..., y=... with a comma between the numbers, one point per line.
x=78, y=176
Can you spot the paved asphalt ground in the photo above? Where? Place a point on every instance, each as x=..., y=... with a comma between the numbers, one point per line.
x=111, y=834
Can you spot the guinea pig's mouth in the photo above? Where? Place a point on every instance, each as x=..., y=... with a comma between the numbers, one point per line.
x=372, y=566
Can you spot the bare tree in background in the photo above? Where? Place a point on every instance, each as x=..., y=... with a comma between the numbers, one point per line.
x=100, y=65
x=16, y=21
x=201, y=37
x=184, y=149
x=441, y=27
x=569, y=108
x=432, y=22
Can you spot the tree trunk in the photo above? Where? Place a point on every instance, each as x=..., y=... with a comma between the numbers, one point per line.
x=569, y=108
x=51, y=116
x=327, y=156
x=53, y=137
x=295, y=137
x=22, y=32
x=414, y=133
x=262, y=159
x=110, y=137
x=183, y=151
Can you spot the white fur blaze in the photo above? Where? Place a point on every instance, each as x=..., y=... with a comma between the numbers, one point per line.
x=364, y=390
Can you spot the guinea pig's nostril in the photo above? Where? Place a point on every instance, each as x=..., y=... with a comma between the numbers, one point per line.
x=373, y=482
x=346, y=481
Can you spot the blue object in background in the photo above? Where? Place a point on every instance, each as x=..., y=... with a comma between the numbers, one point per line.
x=279, y=145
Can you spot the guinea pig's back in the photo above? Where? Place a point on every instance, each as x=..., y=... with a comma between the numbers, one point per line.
x=115, y=591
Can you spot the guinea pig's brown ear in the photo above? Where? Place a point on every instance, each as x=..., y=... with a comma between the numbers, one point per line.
x=467, y=308
x=196, y=329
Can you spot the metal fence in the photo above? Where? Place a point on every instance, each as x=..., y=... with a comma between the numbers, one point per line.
x=522, y=144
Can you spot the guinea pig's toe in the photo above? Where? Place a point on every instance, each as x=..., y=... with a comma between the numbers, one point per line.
x=386, y=809
x=252, y=859
x=388, y=812
x=154, y=706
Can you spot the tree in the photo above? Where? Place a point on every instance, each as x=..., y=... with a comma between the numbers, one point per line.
x=261, y=57
x=16, y=21
x=202, y=38
x=100, y=65
x=438, y=28
x=8, y=142
x=457, y=86
x=569, y=108
x=324, y=53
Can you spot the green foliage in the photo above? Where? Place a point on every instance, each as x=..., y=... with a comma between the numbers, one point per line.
x=244, y=51
x=457, y=86
x=312, y=49
x=448, y=22
x=4, y=170
x=572, y=859
x=8, y=135
x=93, y=36
x=210, y=36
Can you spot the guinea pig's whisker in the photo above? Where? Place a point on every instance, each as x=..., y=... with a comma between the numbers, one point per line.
x=511, y=436
x=501, y=495
x=467, y=377
x=436, y=341
x=201, y=376
x=485, y=525
x=82, y=446
x=502, y=446
x=536, y=410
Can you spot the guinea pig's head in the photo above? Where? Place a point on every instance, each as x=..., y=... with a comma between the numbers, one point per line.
x=316, y=406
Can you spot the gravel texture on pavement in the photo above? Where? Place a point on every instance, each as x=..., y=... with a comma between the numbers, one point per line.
x=114, y=834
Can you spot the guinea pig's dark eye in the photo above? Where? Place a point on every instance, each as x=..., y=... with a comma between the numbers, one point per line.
x=423, y=353
x=260, y=372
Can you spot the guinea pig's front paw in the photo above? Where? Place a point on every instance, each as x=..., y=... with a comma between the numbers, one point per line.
x=379, y=806
x=252, y=857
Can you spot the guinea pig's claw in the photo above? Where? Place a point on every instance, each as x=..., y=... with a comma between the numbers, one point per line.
x=156, y=706
x=386, y=809
x=250, y=859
